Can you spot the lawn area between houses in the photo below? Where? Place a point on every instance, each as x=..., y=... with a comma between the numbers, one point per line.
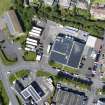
x=70, y=70
x=4, y=6
x=4, y=99
x=55, y=64
x=5, y=59
x=18, y=75
x=57, y=79
x=29, y=56
x=60, y=66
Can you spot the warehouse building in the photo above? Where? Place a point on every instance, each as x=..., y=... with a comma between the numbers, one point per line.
x=67, y=96
x=70, y=47
x=66, y=49
x=36, y=92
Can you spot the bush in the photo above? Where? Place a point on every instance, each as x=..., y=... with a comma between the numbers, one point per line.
x=29, y=56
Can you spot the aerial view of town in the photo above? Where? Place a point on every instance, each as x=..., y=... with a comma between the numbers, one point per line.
x=52, y=52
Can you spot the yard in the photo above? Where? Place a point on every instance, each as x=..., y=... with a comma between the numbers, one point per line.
x=4, y=5
x=29, y=56
x=18, y=75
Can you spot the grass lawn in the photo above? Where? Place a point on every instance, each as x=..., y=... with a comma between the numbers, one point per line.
x=3, y=95
x=4, y=6
x=21, y=40
x=29, y=56
x=41, y=73
x=55, y=64
x=18, y=75
x=6, y=60
x=99, y=1
x=69, y=69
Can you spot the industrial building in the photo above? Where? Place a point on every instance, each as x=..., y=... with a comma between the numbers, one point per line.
x=69, y=49
x=36, y=92
x=66, y=49
x=67, y=96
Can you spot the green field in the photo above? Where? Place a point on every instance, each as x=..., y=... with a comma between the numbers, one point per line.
x=4, y=5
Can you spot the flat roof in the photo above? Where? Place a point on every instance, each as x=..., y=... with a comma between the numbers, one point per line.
x=67, y=50
x=91, y=41
x=33, y=91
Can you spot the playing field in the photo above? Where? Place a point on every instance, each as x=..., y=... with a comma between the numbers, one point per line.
x=4, y=5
